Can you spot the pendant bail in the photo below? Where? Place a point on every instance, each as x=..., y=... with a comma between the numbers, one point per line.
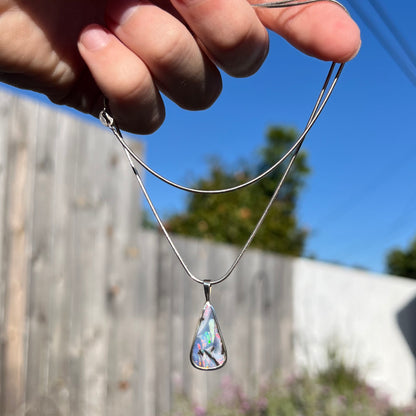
x=207, y=290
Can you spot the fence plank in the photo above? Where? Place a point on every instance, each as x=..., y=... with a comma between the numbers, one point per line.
x=65, y=345
x=123, y=286
x=4, y=142
x=41, y=193
x=17, y=268
x=147, y=312
x=91, y=214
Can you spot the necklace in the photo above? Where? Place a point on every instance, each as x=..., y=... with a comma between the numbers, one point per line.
x=208, y=350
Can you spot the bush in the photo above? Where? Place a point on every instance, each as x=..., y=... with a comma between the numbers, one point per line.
x=337, y=390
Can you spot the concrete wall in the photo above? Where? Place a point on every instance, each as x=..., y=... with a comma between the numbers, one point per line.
x=370, y=317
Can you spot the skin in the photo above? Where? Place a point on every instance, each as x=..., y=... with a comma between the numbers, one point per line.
x=76, y=51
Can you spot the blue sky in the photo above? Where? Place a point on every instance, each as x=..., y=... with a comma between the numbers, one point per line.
x=360, y=199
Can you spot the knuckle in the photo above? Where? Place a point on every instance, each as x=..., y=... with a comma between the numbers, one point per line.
x=170, y=50
x=244, y=53
x=131, y=84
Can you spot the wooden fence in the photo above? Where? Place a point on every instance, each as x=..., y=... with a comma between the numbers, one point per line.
x=96, y=315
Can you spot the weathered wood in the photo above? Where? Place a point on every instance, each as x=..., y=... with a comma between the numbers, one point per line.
x=96, y=315
x=147, y=313
x=41, y=275
x=125, y=333
x=63, y=362
x=4, y=130
x=61, y=167
x=17, y=269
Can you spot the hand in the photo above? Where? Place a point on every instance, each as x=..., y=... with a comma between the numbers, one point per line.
x=76, y=51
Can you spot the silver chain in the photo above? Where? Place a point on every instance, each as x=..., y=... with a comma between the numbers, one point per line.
x=289, y=3
x=108, y=120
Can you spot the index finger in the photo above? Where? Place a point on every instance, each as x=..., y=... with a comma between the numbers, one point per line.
x=322, y=29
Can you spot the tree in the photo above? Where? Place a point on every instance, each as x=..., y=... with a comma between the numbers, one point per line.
x=403, y=262
x=231, y=217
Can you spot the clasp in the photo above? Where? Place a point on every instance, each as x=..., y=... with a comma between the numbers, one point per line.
x=105, y=116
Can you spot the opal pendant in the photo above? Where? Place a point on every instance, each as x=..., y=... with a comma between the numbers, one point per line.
x=208, y=350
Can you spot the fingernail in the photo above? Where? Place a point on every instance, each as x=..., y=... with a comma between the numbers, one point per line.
x=94, y=38
x=121, y=10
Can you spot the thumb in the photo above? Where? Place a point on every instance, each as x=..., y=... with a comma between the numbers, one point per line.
x=323, y=30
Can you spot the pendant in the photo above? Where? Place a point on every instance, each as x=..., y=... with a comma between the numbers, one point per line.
x=208, y=350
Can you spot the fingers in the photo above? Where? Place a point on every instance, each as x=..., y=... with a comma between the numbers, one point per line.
x=323, y=30
x=181, y=70
x=124, y=79
x=148, y=48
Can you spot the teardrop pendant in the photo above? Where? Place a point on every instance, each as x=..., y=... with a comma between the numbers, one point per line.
x=208, y=350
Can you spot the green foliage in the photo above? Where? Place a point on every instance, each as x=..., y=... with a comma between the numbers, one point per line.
x=337, y=390
x=231, y=217
x=341, y=377
x=403, y=262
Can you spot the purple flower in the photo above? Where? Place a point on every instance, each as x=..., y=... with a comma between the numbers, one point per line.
x=199, y=411
x=262, y=403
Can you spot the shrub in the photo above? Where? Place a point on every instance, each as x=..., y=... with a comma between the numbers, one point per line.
x=337, y=390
